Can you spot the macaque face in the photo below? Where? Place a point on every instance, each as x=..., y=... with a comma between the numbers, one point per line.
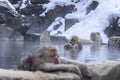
x=53, y=57
x=73, y=41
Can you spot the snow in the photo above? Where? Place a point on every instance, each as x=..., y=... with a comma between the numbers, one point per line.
x=96, y=21
x=51, y=5
x=58, y=21
x=7, y=4
x=23, y=4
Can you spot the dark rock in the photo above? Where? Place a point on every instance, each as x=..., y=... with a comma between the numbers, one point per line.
x=10, y=18
x=70, y=22
x=92, y=6
x=14, y=1
x=35, y=25
x=114, y=42
x=39, y=1
x=113, y=28
x=75, y=1
x=24, y=27
x=18, y=36
x=7, y=33
x=32, y=9
x=41, y=23
x=31, y=37
x=2, y=19
x=59, y=11
x=58, y=38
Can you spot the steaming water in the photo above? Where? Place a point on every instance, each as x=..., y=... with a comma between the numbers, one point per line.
x=11, y=52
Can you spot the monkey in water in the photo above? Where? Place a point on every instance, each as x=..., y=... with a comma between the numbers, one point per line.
x=73, y=44
x=95, y=37
x=47, y=59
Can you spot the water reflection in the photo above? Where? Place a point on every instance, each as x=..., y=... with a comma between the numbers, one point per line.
x=11, y=52
x=71, y=54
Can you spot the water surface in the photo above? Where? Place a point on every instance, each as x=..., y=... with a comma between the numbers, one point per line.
x=11, y=52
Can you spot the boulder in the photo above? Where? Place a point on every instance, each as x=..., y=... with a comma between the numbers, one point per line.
x=32, y=9
x=114, y=42
x=18, y=36
x=38, y=75
x=14, y=1
x=108, y=70
x=92, y=6
x=39, y=1
x=38, y=24
x=70, y=22
x=7, y=33
x=9, y=16
x=55, y=38
x=113, y=29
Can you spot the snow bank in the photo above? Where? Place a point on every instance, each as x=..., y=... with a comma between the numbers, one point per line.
x=96, y=21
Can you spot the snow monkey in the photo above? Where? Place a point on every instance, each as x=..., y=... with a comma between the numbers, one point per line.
x=73, y=43
x=47, y=59
x=96, y=37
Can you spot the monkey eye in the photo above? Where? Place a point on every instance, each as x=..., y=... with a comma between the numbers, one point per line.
x=73, y=40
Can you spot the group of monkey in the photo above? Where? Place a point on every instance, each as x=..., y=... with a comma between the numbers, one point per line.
x=47, y=59
x=74, y=44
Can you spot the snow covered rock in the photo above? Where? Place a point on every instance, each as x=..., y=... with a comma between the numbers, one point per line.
x=8, y=15
x=114, y=27
x=114, y=42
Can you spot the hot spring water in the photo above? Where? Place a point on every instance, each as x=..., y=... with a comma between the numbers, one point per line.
x=11, y=52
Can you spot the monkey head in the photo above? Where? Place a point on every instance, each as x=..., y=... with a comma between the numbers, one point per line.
x=49, y=54
x=74, y=39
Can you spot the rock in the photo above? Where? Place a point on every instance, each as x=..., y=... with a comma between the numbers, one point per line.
x=18, y=36
x=14, y=1
x=9, y=16
x=7, y=33
x=70, y=22
x=38, y=75
x=58, y=38
x=38, y=23
x=114, y=42
x=75, y=1
x=113, y=29
x=32, y=9
x=39, y=1
x=92, y=6
x=109, y=70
